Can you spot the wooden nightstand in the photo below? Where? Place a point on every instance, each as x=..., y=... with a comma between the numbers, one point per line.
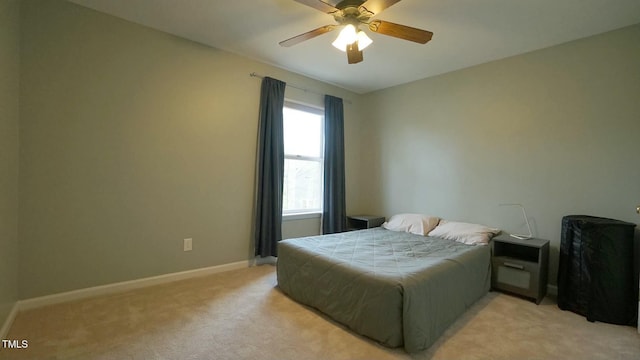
x=520, y=266
x=359, y=222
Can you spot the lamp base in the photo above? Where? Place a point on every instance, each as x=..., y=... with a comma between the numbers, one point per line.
x=521, y=237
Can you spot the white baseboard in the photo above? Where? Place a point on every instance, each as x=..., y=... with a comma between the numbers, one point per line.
x=269, y=260
x=4, y=330
x=126, y=285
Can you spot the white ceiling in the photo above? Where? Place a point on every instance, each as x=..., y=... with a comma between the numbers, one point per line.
x=466, y=32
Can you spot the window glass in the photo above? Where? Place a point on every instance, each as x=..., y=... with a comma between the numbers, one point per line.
x=302, y=133
x=302, y=186
x=303, y=163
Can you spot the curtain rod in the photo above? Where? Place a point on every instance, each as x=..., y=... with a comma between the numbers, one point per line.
x=253, y=74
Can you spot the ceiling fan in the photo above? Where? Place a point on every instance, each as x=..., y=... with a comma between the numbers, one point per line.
x=349, y=14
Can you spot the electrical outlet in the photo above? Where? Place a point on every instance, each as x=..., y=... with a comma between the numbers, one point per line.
x=188, y=243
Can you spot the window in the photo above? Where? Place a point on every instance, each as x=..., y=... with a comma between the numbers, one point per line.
x=303, y=162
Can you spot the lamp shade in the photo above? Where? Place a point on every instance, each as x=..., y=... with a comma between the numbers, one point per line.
x=363, y=40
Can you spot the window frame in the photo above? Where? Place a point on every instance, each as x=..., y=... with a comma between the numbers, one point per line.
x=296, y=214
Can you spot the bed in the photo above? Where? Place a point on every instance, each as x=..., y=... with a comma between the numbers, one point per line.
x=397, y=288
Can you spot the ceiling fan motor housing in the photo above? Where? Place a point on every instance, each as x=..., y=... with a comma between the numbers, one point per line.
x=351, y=12
x=349, y=3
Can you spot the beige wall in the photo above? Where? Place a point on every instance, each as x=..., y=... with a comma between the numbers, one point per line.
x=9, y=115
x=132, y=140
x=557, y=130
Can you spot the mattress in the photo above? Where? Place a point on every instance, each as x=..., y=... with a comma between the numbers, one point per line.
x=396, y=288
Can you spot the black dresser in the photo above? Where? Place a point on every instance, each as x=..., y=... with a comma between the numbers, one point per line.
x=596, y=274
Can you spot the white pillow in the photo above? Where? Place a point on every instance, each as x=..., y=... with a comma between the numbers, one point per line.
x=465, y=233
x=413, y=223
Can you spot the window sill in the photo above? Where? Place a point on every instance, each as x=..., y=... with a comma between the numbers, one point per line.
x=301, y=216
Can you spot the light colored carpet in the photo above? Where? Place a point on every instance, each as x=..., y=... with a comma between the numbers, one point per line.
x=242, y=315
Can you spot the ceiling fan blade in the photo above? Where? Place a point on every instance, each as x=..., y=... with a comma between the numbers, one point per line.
x=308, y=35
x=319, y=5
x=376, y=6
x=354, y=55
x=400, y=31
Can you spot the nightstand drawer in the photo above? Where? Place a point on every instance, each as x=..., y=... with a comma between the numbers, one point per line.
x=520, y=266
x=515, y=275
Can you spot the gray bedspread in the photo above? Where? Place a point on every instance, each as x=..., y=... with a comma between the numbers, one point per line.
x=397, y=288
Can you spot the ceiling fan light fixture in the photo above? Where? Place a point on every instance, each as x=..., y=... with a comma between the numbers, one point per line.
x=347, y=36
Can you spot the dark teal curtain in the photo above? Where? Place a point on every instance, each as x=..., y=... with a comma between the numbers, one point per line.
x=270, y=169
x=334, y=217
